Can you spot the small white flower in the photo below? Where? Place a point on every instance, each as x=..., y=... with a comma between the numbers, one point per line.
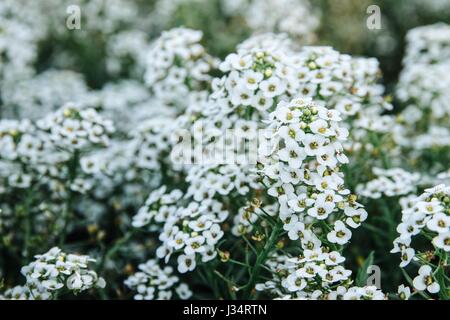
x=425, y=280
x=404, y=292
x=407, y=254
x=340, y=235
x=442, y=241
x=186, y=263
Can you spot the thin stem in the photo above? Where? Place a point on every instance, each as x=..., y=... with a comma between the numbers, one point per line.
x=261, y=259
x=67, y=213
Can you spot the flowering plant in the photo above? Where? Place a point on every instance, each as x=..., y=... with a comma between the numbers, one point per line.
x=212, y=149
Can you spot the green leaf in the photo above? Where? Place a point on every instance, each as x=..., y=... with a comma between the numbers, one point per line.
x=361, y=276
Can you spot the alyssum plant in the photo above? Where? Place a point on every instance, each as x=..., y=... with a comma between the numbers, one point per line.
x=281, y=171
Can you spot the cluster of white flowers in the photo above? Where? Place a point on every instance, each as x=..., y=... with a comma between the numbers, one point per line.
x=390, y=183
x=26, y=293
x=349, y=85
x=315, y=274
x=177, y=63
x=56, y=271
x=155, y=283
x=295, y=17
x=21, y=29
x=22, y=145
x=32, y=98
x=189, y=231
x=233, y=168
x=73, y=128
x=255, y=80
x=300, y=167
x=116, y=167
x=256, y=76
x=431, y=211
x=132, y=162
x=423, y=88
x=428, y=44
x=427, y=215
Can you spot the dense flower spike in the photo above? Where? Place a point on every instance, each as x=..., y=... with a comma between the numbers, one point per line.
x=300, y=166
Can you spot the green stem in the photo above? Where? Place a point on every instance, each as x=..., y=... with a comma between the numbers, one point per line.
x=261, y=259
x=111, y=251
x=67, y=213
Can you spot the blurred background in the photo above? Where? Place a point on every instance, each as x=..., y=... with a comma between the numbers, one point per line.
x=118, y=29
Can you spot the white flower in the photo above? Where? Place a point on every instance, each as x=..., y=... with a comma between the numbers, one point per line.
x=292, y=154
x=186, y=263
x=183, y=291
x=406, y=256
x=442, y=241
x=295, y=283
x=55, y=269
x=355, y=216
x=440, y=223
x=425, y=280
x=194, y=245
x=340, y=234
x=272, y=87
x=404, y=292
x=252, y=79
x=321, y=210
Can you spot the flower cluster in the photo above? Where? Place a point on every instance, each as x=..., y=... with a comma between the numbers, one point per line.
x=45, y=93
x=189, y=232
x=349, y=85
x=429, y=216
x=422, y=88
x=54, y=271
x=428, y=44
x=315, y=274
x=177, y=63
x=21, y=29
x=300, y=167
x=230, y=177
x=73, y=128
x=155, y=283
x=255, y=80
x=390, y=183
x=295, y=17
x=22, y=145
